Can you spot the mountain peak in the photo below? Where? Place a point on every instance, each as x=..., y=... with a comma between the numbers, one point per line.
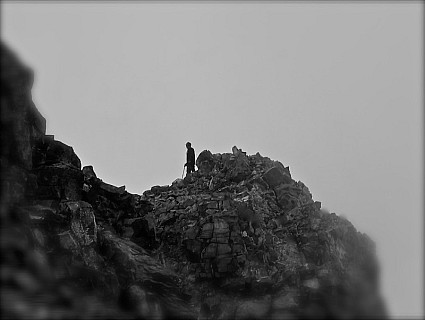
x=236, y=239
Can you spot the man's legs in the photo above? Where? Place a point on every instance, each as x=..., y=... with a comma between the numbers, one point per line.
x=190, y=169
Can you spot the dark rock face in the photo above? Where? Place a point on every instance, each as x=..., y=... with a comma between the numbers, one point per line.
x=276, y=176
x=238, y=239
x=205, y=161
x=50, y=264
x=260, y=246
x=22, y=126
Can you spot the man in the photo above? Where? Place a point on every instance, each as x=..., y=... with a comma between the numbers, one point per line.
x=190, y=158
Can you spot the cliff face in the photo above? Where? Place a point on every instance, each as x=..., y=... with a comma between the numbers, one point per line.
x=239, y=238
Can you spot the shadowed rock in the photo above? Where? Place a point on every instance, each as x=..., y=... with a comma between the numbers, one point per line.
x=238, y=239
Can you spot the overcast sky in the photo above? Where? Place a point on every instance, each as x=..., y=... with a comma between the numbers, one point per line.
x=332, y=90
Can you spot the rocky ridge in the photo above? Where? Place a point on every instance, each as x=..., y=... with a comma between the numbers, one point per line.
x=237, y=239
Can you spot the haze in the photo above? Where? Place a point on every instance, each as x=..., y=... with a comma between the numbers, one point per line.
x=334, y=90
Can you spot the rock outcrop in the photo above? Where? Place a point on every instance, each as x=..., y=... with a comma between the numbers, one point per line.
x=237, y=239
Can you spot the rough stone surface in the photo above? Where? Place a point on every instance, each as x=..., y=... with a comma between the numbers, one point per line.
x=275, y=177
x=205, y=161
x=237, y=239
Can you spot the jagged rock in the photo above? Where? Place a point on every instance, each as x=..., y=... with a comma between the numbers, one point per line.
x=58, y=152
x=237, y=167
x=59, y=181
x=134, y=266
x=111, y=190
x=178, y=183
x=112, y=204
x=239, y=238
x=205, y=162
x=49, y=152
x=89, y=173
x=159, y=189
x=82, y=221
x=43, y=275
x=21, y=123
x=276, y=176
x=269, y=232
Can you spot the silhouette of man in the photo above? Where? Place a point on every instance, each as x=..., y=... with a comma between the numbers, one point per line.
x=190, y=158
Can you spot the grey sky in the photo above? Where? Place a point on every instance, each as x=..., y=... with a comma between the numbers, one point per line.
x=334, y=90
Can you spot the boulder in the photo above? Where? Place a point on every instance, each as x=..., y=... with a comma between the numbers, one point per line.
x=159, y=189
x=276, y=176
x=89, y=174
x=59, y=152
x=205, y=162
x=287, y=197
x=237, y=167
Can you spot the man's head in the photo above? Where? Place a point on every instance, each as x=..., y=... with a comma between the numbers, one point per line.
x=188, y=145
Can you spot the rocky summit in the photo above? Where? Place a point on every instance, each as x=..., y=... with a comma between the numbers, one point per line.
x=237, y=239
